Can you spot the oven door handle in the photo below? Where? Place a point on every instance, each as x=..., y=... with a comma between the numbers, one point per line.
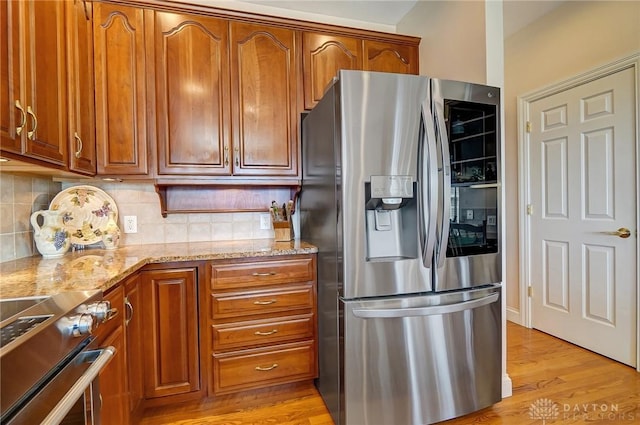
x=63, y=407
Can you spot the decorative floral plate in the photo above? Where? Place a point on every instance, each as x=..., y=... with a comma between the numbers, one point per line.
x=86, y=212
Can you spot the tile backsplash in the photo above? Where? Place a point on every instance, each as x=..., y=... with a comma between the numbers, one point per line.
x=20, y=196
x=142, y=201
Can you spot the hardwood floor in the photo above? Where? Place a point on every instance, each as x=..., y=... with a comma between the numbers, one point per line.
x=584, y=388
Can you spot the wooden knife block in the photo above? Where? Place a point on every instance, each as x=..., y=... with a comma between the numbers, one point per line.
x=282, y=231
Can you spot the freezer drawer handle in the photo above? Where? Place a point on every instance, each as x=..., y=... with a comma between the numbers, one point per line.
x=389, y=313
x=264, y=302
x=266, y=369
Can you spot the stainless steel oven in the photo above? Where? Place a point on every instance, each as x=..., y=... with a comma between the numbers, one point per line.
x=49, y=361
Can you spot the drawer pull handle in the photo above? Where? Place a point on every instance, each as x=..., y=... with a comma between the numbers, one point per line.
x=266, y=369
x=264, y=302
x=266, y=333
x=264, y=274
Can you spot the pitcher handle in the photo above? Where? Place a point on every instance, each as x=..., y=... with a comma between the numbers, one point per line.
x=34, y=221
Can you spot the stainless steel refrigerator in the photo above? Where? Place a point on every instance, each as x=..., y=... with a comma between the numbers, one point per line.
x=401, y=194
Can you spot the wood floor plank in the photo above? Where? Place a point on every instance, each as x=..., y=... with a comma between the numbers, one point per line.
x=585, y=388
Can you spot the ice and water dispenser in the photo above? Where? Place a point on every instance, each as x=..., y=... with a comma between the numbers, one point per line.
x=391, y=218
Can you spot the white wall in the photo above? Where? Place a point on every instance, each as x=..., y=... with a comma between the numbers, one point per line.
x=453, y=38
x=571, y=39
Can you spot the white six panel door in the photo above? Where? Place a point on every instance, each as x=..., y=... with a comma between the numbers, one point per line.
x=583, y=189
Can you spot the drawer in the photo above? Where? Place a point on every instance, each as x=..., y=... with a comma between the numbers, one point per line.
x=261, y=368
x=116, y=298
x=250, y=334
x=226, y=305
x=237, y=275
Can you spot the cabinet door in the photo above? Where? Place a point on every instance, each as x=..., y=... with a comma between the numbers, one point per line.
x=46, y=81
x=120, y=79
x=81, y=136
x=389, y=57
x=323, y=56
x=11, y=119
x=134, y=336
x=170, y=317
x=192, y=94
x=113, y=382
x=264, y=85
x=33, y=67
x=113, y=378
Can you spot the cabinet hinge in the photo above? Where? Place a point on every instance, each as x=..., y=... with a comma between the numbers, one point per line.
x=530, y=291
x=529, y=209
x=528, y=126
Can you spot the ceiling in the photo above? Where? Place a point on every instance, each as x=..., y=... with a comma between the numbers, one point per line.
x=517, y=13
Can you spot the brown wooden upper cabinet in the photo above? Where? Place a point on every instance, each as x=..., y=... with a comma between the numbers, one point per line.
x=120, y=91
x=323, y=55
x=33, y=117
x=390, y=57
x=81, y=135
x=264, y=85
x=192, y=94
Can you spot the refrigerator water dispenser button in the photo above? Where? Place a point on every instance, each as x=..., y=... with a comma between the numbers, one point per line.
x=383, y=220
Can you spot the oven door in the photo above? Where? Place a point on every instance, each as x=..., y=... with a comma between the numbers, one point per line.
x=71, y=396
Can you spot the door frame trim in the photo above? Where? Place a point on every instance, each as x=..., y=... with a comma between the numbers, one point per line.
x=523, y=315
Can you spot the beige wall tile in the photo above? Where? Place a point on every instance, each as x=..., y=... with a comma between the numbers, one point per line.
x=6, y=218
x=7, y=247
x=6, y=188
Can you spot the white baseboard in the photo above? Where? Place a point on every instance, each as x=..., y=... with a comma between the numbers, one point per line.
x=514, y=316
x=507, y=388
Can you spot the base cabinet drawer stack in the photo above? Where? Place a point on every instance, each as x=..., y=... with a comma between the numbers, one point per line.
x=262, y=316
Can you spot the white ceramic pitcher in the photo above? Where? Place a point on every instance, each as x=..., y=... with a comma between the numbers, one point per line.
x=52, y=239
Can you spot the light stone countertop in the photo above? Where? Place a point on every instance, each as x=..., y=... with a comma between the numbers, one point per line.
x=101, y=269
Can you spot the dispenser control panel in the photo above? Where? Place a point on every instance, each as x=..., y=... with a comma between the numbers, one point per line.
x=391, y=187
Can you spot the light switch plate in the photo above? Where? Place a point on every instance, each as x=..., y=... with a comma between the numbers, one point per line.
x=469, y=214
x=491, y=220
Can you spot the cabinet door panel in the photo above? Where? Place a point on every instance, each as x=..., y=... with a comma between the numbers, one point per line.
x=10, y=82
x=46, y=81
x=135, y=336
x=264, y=97
x=389, y=57
x=119, y=54
x=323, y=56
x=192, y=80
x=81, y=136
x=171, y=316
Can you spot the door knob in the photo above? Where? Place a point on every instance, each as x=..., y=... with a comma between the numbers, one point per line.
x=622, y=232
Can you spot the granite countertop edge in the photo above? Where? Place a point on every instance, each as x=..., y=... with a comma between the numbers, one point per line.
x=100, y=269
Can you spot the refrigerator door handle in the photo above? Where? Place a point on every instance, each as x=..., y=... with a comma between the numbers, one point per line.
x=438, y=103
x=428, y=166
x=391, y=313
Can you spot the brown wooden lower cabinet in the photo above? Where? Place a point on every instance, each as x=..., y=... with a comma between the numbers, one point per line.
x=257, y=368
x=192, y=329
x=113, y=378
x=262, y=315
x=135, y=335
x=170, y=323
